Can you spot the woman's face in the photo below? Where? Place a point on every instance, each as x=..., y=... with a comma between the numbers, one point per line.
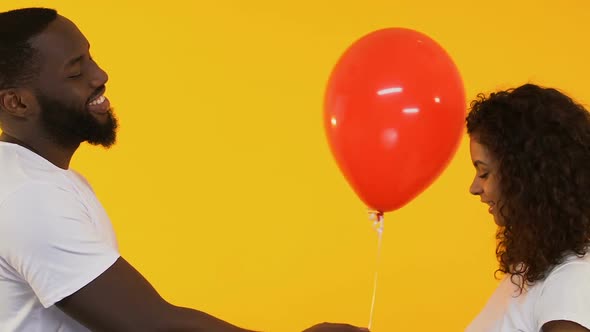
x=485, y=182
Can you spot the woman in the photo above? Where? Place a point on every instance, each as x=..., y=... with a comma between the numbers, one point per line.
x=531, y=150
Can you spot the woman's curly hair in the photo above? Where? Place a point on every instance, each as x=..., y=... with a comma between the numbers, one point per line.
x=541, y=141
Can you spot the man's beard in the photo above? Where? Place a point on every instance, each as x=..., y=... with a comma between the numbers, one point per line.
x=71, y=125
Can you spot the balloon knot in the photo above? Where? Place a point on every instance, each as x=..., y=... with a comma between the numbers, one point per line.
x=377, y=218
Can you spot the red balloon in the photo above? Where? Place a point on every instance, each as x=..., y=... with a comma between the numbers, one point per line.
x=393, y=114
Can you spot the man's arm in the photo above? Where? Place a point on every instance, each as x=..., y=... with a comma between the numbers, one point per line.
x=563, y=326
x=121, y=299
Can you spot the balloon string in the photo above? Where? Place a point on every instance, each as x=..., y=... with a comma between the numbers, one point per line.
x=377, y=218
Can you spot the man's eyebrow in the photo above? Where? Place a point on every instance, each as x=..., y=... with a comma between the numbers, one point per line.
x=77, y=59
x=74, y=61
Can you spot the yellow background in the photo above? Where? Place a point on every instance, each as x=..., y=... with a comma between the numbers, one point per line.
x=222, y=189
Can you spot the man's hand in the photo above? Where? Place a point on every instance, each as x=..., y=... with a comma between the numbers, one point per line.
x=330, y=327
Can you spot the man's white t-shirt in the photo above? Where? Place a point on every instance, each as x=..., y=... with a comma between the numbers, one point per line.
x=55, y=238
x=563, y=295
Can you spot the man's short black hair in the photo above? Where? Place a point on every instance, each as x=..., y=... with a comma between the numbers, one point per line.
x=17, y=56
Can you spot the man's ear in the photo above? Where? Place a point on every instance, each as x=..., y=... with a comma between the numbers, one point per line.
x=15, y=102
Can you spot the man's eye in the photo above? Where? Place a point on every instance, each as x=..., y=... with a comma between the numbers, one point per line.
x=75, y=75
x=483, y=176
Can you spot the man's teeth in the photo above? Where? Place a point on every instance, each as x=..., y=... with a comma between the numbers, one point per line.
x=97, y=101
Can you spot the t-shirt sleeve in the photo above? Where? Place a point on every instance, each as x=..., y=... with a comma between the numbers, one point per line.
x=565, y=296
x=49, y=238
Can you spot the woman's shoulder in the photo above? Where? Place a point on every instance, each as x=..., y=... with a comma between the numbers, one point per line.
x=565, y=293
x=571, y=268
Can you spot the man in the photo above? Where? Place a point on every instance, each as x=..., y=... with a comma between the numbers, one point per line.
x=60, y=268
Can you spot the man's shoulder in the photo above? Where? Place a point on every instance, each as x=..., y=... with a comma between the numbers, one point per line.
x=19, y=171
